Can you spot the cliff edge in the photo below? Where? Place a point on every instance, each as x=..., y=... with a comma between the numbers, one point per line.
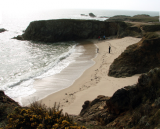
x=71, y=29
x=136, y=106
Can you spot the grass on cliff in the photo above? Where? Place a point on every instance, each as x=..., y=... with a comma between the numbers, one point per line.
x=38, y=116
x=151, y=35
x=136, y=18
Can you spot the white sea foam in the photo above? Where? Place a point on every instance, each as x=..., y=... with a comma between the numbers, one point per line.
x=24, y=87
x=61, y=62
x=22, y=90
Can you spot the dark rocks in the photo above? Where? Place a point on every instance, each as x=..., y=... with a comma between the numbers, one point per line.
x=84, y=15
x=129, y=107
x=119, y=102
x=129, y=71
x=7, y=106
x=2, y=30
x=137, y=58
x=6, y=99
x=71, y=29
x=93, y=109
x=92, y=15
x=19, y=37
x=143, y=80
x=123, y=100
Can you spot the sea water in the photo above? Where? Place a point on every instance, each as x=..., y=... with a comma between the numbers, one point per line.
x=21, y=62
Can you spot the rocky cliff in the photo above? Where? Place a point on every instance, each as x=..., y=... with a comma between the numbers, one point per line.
x=70, y=29
x=7, y=106
x=137, y=58
x=136, y=106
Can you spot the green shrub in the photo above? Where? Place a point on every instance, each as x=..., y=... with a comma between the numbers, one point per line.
x=37, y=116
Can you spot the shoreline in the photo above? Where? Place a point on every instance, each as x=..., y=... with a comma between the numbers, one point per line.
x=80, y=61
x=58, y=98
x=95, y=80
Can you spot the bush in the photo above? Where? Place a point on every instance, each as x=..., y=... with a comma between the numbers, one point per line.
x=37, y=116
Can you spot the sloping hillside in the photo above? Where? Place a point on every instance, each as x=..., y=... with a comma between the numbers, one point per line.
x=136, y=106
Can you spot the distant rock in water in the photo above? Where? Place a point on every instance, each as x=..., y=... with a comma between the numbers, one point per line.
x=2, y=30
x=71, y=29
x=19, y=37
x=92, y=15
x=138, y=58
x=84, y=15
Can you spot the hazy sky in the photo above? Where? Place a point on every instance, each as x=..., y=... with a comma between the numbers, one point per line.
x=36, y=5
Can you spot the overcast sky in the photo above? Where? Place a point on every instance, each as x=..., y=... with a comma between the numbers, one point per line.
x=36, y=5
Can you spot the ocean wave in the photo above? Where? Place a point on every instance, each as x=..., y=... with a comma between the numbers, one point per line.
x=59, y=64
x=24, y=87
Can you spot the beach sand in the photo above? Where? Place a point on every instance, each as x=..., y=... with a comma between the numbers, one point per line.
x=95, y=80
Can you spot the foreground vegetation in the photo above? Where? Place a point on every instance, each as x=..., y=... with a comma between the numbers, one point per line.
x=38, y=116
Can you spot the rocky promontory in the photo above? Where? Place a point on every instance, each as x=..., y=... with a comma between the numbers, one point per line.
x=71, y=29
x=138, y=58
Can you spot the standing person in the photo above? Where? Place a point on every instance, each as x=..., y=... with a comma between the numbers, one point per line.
x=104, y=37
x=109, y=49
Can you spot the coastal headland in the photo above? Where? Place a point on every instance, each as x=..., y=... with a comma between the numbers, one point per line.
x=72, y=29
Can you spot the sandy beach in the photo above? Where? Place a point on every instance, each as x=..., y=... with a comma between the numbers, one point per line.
x=95, y=80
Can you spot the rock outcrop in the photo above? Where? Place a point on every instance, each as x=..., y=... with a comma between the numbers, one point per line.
x=137, y=58
x=133, y=106
x=92, y=15
x=2, y=30
x=7, y=106
x=71, y=29
x=84, y=15
x=19, y=37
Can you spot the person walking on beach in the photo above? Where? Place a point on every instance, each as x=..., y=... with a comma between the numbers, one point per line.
x=109, y=49
x=97, y=50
